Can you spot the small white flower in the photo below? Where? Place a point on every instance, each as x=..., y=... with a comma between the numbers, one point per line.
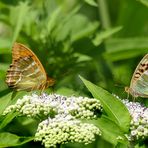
x=62, y=113
x=139, y=122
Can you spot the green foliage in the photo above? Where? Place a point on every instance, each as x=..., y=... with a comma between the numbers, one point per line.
x=114, y=108
x=112, y=125
x=145, y=2
x=101, y=40
x=7, y=139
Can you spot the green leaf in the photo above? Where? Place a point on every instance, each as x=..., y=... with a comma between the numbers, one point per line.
x=121, y=145
x=8, y=139
x=21, y=12
x=10, y=98
x=104, y=35
x=4, y=120
x=145, y=2
x=84, y=31
x=4, y=101
x=91, y=2
x=117, y=48
x=111, y=132
x=53, y=20
x=114, y=108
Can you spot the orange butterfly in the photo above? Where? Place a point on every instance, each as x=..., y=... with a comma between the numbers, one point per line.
x=26, y=71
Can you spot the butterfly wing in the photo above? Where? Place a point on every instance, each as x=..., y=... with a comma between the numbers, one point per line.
x=26, y=72
x=139, y=82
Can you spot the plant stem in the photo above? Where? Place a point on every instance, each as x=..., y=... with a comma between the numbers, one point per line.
x=104, y=15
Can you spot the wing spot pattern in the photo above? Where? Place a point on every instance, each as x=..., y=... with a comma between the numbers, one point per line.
x=26, y=69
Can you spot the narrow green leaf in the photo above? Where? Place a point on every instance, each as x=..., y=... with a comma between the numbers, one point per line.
x=4, y=120
x=53, y=20
x=61, y=26
x=114, y=108
x=85, y=32
x=145, y=2
x=104, y=35
x=91, y=2
x=117, y=48
x=122, y=55
x=8, y=140
x=123, y=44
x=21, y=12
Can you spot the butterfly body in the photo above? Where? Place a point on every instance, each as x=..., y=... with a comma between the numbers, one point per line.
x=26, y=72
x=139, y=82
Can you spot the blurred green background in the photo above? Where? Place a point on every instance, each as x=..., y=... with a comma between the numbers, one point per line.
x=101, y=40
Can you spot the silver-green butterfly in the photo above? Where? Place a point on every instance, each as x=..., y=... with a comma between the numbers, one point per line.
x=139, y=82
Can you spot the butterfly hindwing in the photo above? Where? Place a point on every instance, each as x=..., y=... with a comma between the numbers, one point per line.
x=141, y=85
x=26, y=72
x=139, y=82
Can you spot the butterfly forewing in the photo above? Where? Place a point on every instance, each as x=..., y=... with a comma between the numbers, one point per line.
x=26, y=72
x=139, y=82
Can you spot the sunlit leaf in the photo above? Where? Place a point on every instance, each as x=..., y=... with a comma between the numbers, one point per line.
x=85, y=31
x=117, y=49
x=104, y=35
x=145, y=2
x=4, y=101
x=4, y=120
x=91, y=2
x=53, y=20
x=8, y=140
x=114, y=108
x=22, y=13
x=111, y=132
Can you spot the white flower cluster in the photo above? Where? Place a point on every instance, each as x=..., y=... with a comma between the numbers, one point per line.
x=62, y=114
x=139, y=122
x=32, y=106
x=50, y=105
x=63, y=129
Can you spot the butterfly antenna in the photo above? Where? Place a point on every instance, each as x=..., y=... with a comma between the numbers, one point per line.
x=119, y=86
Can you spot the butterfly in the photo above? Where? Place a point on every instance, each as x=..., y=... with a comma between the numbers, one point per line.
x=26, y=71
x=139, y=82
